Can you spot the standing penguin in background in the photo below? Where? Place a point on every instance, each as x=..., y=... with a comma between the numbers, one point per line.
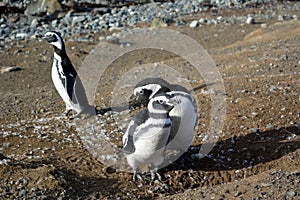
x=184, y=115
x=147, y=135
x=65, y=78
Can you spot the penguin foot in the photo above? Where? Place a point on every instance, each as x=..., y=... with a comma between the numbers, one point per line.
x=137, y=176
x=67, y=111
x=76, y=116
x=154, y=174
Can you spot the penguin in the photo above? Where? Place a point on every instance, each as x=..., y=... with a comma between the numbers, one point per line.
x=65, y=78
x=147, y=135
x=184, y=115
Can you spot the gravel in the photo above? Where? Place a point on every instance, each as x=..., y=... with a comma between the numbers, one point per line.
x=96, y=18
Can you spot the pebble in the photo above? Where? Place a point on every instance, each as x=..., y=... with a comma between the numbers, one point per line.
x=250, y=20
x=21, y=36
x=194, y=24
x=202, y=21
x=269, y=126
x=280, y=18
x=238, y=193
x=291, y=193
x=255, y=130
x=254, y=114
x=34, y=23
x=9, y=69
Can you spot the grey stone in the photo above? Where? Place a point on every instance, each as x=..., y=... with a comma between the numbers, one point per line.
x=39, y=7
x=280, y=18
x=291, y=193
x=269, y=126
x=34, y=23
x=21, y=36
x=202, y=21
x=250, y=20
x=194, y=24
x=78, y=19
x=9, y=69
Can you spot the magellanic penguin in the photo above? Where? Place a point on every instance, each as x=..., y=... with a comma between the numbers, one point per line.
x=65, y=78
x=184, y=115
x=147, y=135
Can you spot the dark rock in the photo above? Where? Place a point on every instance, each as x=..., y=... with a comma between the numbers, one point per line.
x=42, y=7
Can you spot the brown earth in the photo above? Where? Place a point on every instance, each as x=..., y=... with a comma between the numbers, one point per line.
x=257, y=156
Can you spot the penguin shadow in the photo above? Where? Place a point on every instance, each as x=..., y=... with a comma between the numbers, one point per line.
x=78, y=186
x=131, y=105
x=200, y=87
x=240, y=152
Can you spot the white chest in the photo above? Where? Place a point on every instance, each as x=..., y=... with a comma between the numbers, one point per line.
x=59, y=79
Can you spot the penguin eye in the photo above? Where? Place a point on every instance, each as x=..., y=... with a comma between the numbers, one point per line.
x=161, y=101
x=141, y=91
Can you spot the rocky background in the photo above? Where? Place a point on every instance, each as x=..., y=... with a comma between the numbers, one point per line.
x=24, y=19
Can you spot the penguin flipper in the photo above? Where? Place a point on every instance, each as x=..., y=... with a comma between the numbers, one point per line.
x=76, y=91
x=128, y=138
x=70, y=82
x=129, y=145
x=128, y=141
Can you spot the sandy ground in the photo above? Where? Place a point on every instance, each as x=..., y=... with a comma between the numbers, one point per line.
x=257, y=156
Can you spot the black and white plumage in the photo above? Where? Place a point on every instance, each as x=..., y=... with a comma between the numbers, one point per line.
x=183, y=115
x=148, y=133
x=65, y=78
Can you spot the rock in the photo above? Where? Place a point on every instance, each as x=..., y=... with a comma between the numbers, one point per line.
x=280, y=18
x=157, y=22
x=254, y=114
x=250, y=20
x=284, y=57
x=194, y=24
x=9, y=69
x=179, y=23
x=255, y=130
x=34, y=23
x=202, y=21
x=238, y=193
x=112, y=39
x=21, y=36
x=269, y=126
x=220, y=18
x=40, y=7
x=14, y=18
x=110, y=170
x=78, y=19
x=101, y=38
x=291, y=193
x=295, y=17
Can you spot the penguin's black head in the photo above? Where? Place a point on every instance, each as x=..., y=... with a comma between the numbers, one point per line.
x=143, y=95
x=54, y=38
x=149, y=87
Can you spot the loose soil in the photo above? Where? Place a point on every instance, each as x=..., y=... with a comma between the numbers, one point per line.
x=256, y=157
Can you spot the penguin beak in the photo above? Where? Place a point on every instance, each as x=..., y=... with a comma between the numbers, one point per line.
x=49, y=38
x=173, y=101
x=39, y=36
